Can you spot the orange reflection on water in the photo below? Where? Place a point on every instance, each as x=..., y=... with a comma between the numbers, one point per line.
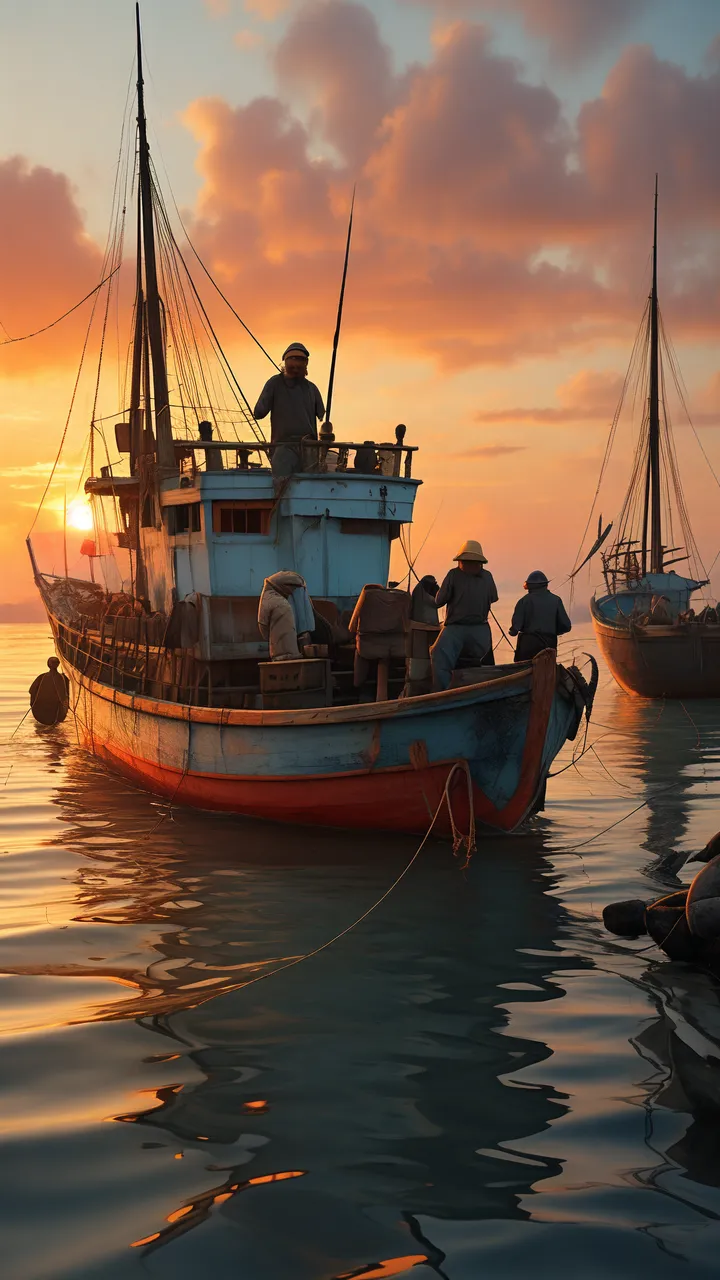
x=179, y=1213
x=147, y=1240
x=274, y=1177
x=391, y=1267
x=198, y=1210
x=257, y=1107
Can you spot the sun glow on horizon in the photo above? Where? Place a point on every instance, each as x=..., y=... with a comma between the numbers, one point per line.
x=80, y=516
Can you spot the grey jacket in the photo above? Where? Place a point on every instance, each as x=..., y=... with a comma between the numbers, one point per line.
x=294, y=405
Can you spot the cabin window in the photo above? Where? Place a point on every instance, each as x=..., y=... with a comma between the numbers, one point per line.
x=184, y=518
x=242, y=517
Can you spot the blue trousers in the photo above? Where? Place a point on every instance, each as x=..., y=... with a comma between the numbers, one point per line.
x=456, y=640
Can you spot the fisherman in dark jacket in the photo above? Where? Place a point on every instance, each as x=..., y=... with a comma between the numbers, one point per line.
x=295, y=406
x=539, y=618
x=50, y=694
x=468, y=593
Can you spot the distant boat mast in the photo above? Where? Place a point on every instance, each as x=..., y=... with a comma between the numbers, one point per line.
x=653, y=509
x=163, y=428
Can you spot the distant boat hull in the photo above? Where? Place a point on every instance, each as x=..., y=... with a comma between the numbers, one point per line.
x=661, y=662
x=379, y=766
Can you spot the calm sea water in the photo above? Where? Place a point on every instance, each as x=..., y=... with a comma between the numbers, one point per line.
x=476, y=1082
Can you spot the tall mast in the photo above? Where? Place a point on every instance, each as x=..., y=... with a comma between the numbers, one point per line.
x=326, y=429
x=165, y=451
x=656, y=549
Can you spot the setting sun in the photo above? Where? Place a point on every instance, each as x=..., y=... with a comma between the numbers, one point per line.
x=79, y=515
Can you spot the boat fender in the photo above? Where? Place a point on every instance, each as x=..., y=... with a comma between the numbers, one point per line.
x=668, y=927
x=703, y=902
x=664, y=920
x=50, y=695
x=626, y=919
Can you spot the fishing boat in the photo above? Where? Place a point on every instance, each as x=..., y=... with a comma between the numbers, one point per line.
x=654, y=642
x=169, y=675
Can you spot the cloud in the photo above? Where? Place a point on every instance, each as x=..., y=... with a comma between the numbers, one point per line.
x=47, y=263
x=267, y=10
x=248, y=39
x=491, y=451
x=489, y=226
x=588, y=396
x=572, y=28
x=333, y=57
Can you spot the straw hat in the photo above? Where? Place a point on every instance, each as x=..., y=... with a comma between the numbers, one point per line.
x=471, y=550
x=536, y=579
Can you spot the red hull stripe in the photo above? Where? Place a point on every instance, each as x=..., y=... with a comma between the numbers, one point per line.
x=394, y=799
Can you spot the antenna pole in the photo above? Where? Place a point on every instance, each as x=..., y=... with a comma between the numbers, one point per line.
x=656, y=549
x=165, y=450
x=65, y=532
x=325, y=430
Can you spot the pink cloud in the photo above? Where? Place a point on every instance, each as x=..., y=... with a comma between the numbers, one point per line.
x=267, y=10
x=489, y=226
x=332, y=55
x=573, y=28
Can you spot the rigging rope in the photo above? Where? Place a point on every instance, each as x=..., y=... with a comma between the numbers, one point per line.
x=7, y=341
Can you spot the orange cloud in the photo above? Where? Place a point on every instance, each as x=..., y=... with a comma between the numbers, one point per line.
x=589, y=396
x=47, y=263
x=488, y=228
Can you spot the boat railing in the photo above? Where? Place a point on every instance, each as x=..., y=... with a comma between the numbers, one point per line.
x=317, y=455
x=124, y=654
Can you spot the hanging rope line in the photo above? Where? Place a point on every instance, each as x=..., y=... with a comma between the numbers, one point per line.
x=26, y=336
x=194, y=251
x=458, y=841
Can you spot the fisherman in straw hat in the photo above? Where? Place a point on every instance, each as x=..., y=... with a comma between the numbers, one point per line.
x=539, y=618
x=467, y=592
x=295, y=406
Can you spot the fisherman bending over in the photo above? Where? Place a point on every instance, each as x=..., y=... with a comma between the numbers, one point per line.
x=468, y=592
x=295, y=405
x=539, y=618
x=50, y=694
x=283, y=623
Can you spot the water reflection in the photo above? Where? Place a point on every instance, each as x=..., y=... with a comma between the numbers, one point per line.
x=385, y=1072
x=671, y=749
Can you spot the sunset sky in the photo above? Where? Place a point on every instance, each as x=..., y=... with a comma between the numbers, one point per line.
x=504, y=153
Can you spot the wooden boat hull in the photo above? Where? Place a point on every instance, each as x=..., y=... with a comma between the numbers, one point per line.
x=661, y=662
x=379, y=766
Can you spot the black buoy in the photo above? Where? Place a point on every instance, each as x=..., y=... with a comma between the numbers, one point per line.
x=50, y=695
x=684, y=924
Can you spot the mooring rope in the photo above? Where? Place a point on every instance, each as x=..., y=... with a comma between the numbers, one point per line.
x=458, y=840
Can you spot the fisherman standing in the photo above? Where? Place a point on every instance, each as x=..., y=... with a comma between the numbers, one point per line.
x=468, y=592
x=539, y=618
x=295, y=405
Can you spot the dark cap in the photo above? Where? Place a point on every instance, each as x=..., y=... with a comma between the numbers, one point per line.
x=296, y=346
x=536, y=579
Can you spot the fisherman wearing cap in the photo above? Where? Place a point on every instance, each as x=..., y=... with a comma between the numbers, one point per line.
x=468, y=592
x=539, y=618
x=295, y=405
